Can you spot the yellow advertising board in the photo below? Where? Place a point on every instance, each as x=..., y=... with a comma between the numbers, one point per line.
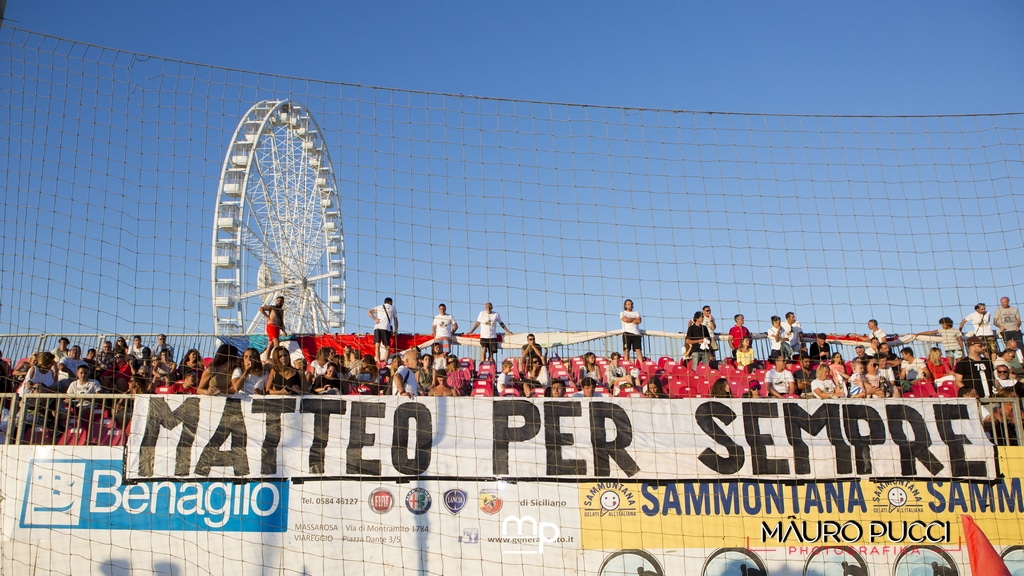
x=773, y=514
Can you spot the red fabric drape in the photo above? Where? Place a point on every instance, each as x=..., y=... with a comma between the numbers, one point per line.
x=361, y=342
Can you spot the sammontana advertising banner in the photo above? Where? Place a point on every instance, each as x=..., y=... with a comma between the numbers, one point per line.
x=202, y=438
x=859, y=513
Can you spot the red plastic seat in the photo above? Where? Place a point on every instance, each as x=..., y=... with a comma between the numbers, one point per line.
x=486, y=367
x=737, y=388
x=74, y=437
x=537, y=392
x=482, y=391
x=510, y=391
x=602, y=390
x=702, y=386
x=947, y=390
x=468, y=363
x=683, y=391
x=558, y=372
x=923, y=390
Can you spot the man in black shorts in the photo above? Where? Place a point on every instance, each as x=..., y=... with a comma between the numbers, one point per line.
x=488, y=321
x=631, y=338
x=385, y=323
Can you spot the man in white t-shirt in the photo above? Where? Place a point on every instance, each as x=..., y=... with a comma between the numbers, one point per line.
x=911, y=367
x=779, y=380
x=874, y=332
x=385, y=324
x=82, y=385
x=981, y=320
x=443, y=328
x=135, y=350
x=69, y=365
x=488, y=322
x=631, y=338
x=404, y=380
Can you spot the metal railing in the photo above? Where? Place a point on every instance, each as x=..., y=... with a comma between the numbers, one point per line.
x=655, y=345
x=48, y=419
x=17, y=346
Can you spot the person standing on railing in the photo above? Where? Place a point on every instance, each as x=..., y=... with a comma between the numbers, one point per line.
x=488, y=321
x=708, y=321
x=444, y=328
x=778, y=340
x=793, y=332
x=981, y=319
x=385, y=324
x=275, y=321
x=631, y=338
x=698, y=342
x=1007, y=319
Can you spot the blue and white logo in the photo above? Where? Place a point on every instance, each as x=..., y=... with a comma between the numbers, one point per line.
x=455, y=500
x=90, y=495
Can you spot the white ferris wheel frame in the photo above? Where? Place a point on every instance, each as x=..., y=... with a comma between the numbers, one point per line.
x=277, y=226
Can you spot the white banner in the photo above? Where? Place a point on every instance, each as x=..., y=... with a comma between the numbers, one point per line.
x=203, y=438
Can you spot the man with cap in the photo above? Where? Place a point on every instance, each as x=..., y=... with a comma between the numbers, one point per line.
x=975, y=370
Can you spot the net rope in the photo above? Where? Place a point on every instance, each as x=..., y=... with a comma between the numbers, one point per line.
x=113, y=166
x=554, y=212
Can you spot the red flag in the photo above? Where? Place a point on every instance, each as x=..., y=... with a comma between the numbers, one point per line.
x=984, y=558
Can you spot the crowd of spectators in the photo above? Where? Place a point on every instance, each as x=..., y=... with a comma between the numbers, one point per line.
x=798, y=365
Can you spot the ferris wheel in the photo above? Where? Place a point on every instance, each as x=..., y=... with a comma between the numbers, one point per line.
x=277, y=228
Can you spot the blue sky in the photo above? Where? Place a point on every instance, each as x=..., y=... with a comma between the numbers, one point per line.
x=839, y=219
x=806, y=57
